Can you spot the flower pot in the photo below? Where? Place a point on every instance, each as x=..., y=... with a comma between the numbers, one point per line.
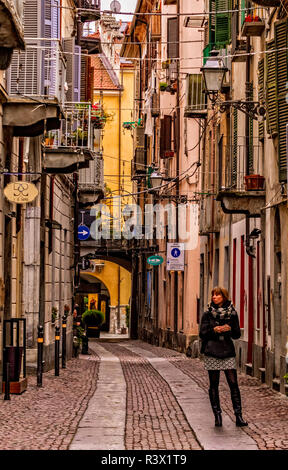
x=13, y=355
x=254, y=182
x=93, y=332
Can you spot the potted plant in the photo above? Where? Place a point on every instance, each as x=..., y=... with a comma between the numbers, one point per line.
x=163, y=86
x=49, y=139
x=93, y=319
x=254, y=182
x=54, y=315
x=127, y=125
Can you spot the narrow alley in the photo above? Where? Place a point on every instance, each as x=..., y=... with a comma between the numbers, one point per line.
x=130, y=395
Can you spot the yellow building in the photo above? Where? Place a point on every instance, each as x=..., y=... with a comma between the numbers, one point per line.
x=114, y=90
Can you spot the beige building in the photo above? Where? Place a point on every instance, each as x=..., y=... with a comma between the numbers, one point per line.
x=165, y=300
x=49, y=141
x=244, y=184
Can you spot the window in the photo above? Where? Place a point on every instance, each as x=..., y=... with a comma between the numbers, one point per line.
x=196, y=99
x=172, y=38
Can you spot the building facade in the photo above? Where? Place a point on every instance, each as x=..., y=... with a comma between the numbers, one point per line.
x=166, y=142
x=49, y=142
x=244, y=181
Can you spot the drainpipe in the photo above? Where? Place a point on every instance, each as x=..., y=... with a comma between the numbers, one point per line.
x=248, y=248
x=177, y=127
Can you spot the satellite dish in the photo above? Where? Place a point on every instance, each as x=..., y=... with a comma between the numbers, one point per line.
x=115, y=6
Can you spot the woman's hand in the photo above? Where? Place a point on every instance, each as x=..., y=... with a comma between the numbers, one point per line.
x=222, y=329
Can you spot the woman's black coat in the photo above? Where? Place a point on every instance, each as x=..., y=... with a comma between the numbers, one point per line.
x=218, y=345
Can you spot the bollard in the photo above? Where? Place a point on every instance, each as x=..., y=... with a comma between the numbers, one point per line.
x=64, y=324
x=40, y=341
x=57, y=344
x=7, y=383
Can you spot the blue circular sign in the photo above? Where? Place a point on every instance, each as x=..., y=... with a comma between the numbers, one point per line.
x=175, y=252
x=83, y=232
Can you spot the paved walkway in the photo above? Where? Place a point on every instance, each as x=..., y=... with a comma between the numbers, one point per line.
x=103, y=424
x=103, y=427
x=130, y=395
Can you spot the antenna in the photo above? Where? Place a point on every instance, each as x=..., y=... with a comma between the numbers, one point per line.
x=115, y=6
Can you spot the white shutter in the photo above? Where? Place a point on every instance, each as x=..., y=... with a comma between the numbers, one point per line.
x=24, y=75
x=77, y=73
x=69, y=47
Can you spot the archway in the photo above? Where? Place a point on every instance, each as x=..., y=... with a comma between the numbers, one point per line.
x=111, y=284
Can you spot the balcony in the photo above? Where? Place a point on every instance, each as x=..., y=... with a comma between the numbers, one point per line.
x=89, y=10
x=253, y=25
x=237, y=193
x=91, y=182
x=35, y=84
x=11, y=32
x=72, y=146
x=196, y=106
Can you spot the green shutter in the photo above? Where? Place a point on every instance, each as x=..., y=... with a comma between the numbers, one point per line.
x=243, y=11
x=212, y=9
x=235, y=145
x=281, y=41
x=271, y=89
x=261, y=95
x=222, y=23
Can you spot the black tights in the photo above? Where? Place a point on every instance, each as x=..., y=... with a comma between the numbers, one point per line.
x=231, y=377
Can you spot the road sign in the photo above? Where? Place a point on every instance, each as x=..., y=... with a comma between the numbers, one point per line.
x=175, y=257
x=155, y=260
x=83, y=232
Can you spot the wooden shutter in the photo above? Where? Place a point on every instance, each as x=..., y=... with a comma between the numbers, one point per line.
x=261, y=95
x=270, y=75
x=172, y=38
x=212, y=21
x=84, y=86
x=55, y=19
x=251, y=123
x=165, y=135
x=25, y=73
x=77, y=74
x=68, y=46
x=32, y=19
x=222, y=22
x=281, y=42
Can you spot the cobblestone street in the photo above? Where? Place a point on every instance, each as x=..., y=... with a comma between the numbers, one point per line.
x=48, y=417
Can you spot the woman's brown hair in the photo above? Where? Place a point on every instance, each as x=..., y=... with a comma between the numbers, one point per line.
x=222, y=291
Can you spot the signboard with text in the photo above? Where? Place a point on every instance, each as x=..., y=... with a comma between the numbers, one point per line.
x=175, y=257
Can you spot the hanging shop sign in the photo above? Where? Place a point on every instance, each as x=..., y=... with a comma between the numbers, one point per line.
x=175, y=257
x=155, y=260
x=20, y=192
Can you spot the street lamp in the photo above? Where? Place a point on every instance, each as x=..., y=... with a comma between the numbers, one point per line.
x=156, y=180
x=213, y=74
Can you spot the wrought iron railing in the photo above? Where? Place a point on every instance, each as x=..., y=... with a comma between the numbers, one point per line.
x=92, y=177
x=233, y=162
x=76, y=128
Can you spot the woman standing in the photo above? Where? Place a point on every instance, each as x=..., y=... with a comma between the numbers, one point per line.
x=219, y=325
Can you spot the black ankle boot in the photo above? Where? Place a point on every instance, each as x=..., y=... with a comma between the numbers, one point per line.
x=218, y=419
x=236, y=401
x=240, y=421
